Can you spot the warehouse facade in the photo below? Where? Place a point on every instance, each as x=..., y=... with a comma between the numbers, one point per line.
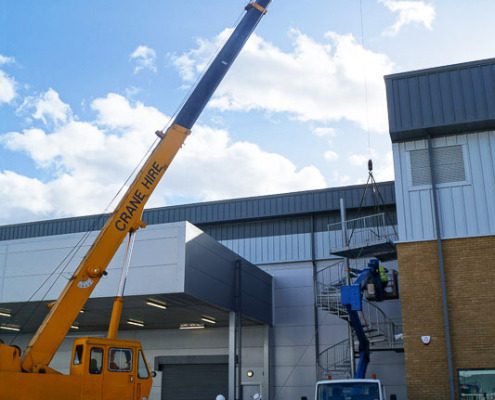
x=284, y=240
x=442, y=123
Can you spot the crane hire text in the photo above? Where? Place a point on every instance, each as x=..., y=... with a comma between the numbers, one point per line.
x=134, y=202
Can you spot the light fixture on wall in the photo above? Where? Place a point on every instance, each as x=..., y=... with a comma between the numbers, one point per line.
x=74, y=327
x=5, y=313
x=208, y=319
x=191, y=326
x=135, y=322
x=250, y=373
x=156, y=303
x=14, y=328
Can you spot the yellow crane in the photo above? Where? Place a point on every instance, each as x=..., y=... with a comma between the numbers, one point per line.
x=110, y=368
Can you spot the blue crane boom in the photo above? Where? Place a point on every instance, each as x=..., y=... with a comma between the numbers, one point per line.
x=205, y=88
x=351, y=296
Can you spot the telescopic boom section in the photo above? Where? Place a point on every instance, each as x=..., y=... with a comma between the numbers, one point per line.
x=127, y=215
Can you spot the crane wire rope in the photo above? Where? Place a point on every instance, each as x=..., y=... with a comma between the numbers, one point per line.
x=65, y=262
x=365, y=78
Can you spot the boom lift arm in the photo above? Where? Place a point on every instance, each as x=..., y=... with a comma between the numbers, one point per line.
x=351, y=296
x=127, y=216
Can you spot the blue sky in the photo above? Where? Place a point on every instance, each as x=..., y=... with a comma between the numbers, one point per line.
x=83, y=86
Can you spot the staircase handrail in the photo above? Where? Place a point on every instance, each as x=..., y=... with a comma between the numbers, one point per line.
x=342, y=350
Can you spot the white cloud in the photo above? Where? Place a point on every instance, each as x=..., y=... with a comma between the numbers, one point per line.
x=6, y=59
x=340, y=179
x=325, y=132
x=47, y=107
x=409, y=12
x=7, y=88
x=21, y=197
x=234, y=169
x=144, y=58
x=331, y=155
x=315, y=81
x=86, y=162
x=359, y=160
x=7, y=83
x=383, y=164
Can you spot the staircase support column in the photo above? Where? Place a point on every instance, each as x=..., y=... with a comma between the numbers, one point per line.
x=343, y=218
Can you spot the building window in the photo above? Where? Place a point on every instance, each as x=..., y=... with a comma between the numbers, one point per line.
x=96, y=361
x=120, y=360
x=448, y=162
x=476, y=384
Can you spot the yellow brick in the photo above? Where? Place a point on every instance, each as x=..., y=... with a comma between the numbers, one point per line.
x=470, y=273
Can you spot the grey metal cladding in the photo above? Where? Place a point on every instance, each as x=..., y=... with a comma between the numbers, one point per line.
x=441, y=101
x=210, y=277
x=217, y=212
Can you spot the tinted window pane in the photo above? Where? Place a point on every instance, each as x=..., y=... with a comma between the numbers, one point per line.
x=477, y=384
x=120, y=360
x=78, y=354
x=96, y=361
x=143, y=372
x=349, y=391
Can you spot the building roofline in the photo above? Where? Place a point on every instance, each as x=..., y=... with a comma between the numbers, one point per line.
x=444, y=68
x=211, y=212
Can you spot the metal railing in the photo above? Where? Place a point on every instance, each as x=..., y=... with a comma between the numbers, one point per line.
x=362, y=232
x=381, y=331
x=328, y=282
x=336, y=360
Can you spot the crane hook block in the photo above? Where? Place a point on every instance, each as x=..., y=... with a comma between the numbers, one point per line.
x=370, y=165
x=261, y=9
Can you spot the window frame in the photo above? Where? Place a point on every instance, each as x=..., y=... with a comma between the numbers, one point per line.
x=465, y=158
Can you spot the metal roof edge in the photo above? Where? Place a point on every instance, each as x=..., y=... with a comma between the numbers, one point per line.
x=238, y=210
x=444, y=68
x=442, y=130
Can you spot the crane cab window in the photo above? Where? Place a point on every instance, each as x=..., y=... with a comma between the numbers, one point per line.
x=78, y=355
x=96, y=361
x=143, y=372
x=120, y=360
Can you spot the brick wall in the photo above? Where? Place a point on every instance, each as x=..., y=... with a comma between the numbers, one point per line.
x=470, y=274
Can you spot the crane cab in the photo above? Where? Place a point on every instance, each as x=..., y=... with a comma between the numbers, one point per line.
x=110, y=369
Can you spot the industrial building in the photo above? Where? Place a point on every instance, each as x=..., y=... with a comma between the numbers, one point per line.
x=239, y=295
x=280, y=242
x=442, y=123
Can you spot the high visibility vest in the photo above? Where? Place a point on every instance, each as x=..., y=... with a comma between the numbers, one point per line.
x=383, y=274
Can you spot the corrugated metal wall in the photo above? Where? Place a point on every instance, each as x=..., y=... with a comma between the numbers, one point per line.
x=445, y=100
x=467, y=208
x=241, y=210
x=284, y=239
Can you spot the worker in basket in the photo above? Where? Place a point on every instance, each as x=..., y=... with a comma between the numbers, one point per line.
x=379, y=278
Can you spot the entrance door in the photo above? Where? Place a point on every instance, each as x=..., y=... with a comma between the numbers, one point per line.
x=120, y=377
x=93, y=374
x=194, y=381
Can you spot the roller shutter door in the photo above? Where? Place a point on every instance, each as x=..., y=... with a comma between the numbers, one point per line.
x=194, y=381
